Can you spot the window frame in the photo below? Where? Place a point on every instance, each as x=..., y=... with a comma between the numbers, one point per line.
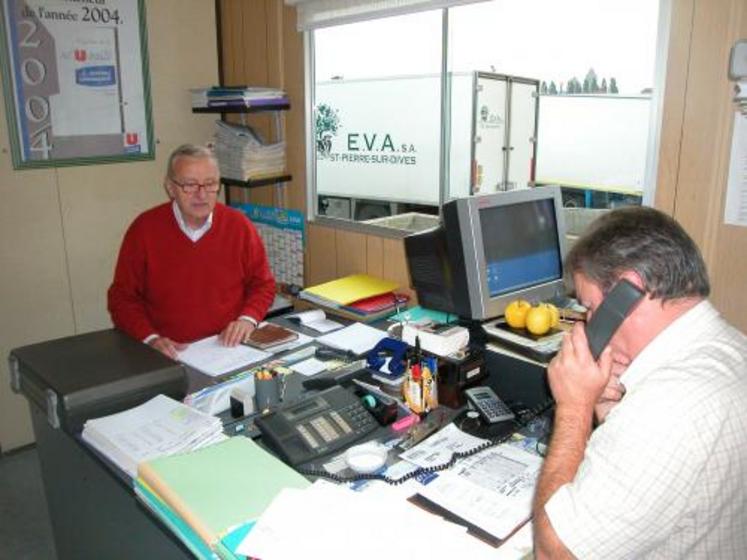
x=312, y=199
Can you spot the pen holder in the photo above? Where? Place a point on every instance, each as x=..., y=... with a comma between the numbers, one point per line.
x=266, y=392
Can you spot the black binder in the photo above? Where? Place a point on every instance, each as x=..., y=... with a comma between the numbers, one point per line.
x=90, y=375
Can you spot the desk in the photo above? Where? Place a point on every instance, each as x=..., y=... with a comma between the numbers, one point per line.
x=93, y=509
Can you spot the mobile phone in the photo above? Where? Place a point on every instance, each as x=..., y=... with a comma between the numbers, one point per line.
x=610, y=314
x=488, y=404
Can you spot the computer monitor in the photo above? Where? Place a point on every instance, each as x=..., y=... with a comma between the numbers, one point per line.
x=489, y=250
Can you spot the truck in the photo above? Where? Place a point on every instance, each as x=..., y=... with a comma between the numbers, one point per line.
x=381, y=157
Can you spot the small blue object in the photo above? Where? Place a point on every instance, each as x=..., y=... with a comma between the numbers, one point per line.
x=391, y=348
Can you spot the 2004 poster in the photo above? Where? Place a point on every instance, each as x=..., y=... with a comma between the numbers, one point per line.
x=76, y=83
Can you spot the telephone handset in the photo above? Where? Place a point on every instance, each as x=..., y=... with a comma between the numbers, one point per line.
x=610, y=314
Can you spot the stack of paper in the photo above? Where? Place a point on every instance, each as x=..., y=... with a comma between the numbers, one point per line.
x=360, y=297
x=161, y=426
x=356, y=338
x=206, y=494
x=213, y=358
x=371, y=524
x=232, y=97
x=242, y=153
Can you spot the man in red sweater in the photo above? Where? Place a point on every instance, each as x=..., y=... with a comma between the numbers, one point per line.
x=192, y=267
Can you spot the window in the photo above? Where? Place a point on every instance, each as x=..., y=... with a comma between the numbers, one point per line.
x=536, y=92
x=377, y=110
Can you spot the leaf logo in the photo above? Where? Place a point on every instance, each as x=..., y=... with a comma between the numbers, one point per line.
x=327, y=123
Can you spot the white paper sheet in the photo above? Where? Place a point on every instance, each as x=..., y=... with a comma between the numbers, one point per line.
x=212, y=358
x=357, y=338
x=315, y=319
x=362, y=525
x=493, y=489
x=309, y=367
x=735, y=210
x=438, y=448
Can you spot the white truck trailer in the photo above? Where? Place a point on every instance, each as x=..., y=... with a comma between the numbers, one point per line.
x=378, y=140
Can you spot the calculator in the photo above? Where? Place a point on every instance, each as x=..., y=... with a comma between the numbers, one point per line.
x=491, y=408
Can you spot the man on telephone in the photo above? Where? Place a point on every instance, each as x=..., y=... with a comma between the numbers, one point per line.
x=191, y=267
x=663, y=473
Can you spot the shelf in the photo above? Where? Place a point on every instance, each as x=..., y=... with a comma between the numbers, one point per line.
x=256, y=182
x=242, y=108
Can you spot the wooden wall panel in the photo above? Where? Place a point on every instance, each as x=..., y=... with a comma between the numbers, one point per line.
x=375, y=259
x=696, y=198
x=673, y=110
x=351, y=252
x=321, y=255
x=254, y=53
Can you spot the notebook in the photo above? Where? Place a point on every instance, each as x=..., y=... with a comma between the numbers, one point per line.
x=268, y=335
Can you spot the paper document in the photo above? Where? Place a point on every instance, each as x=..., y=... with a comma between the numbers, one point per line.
x=309, y=367
x=315, y=319
x=159, y=427
x=212, y=358
x=358, y=338
x=735, y=210
x=372, y=524
x=492, y=489
x=438, y=448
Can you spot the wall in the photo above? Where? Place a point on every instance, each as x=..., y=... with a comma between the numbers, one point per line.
x=261, y=47
x=696, y=140
x=693, y=155
x=60, y=229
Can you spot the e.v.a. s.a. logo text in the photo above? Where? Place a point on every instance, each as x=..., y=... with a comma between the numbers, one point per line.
x=366, y=147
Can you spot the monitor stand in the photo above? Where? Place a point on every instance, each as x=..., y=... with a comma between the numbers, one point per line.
x=539, y=348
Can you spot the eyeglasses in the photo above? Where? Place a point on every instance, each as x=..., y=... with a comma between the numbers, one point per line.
x=211, y=186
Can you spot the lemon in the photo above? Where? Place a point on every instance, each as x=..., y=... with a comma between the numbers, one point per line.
x=539, y=319
x=555, y=315
x=516, y=313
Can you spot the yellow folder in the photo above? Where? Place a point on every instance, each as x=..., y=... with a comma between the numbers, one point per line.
x=345, y=291
x=221, y=486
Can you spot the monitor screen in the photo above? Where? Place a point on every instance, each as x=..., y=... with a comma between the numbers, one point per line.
x=521, y=246
x=490, y=250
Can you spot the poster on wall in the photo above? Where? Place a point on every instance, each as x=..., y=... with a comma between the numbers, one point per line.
x=76, y=83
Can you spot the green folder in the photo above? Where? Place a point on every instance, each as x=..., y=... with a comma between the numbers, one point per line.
x=217, y=488
x=175, y=523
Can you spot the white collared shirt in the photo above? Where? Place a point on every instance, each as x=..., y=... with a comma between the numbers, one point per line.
x=193, y=234
x=665, y=476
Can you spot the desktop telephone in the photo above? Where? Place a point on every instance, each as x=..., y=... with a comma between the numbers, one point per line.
x=318, y=425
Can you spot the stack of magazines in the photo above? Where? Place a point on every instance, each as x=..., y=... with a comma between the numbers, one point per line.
x=243, y=154
x=235, y=97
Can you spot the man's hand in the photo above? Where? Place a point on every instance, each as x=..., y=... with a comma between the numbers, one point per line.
x=614, y=391
x=167, y=346
x=236, y=332
x=576, y=380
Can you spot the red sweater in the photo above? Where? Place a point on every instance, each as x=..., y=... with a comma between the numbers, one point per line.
x=167, y=284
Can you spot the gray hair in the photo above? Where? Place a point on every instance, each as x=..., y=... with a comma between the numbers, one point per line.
x=191, y=151
x=646, y=241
